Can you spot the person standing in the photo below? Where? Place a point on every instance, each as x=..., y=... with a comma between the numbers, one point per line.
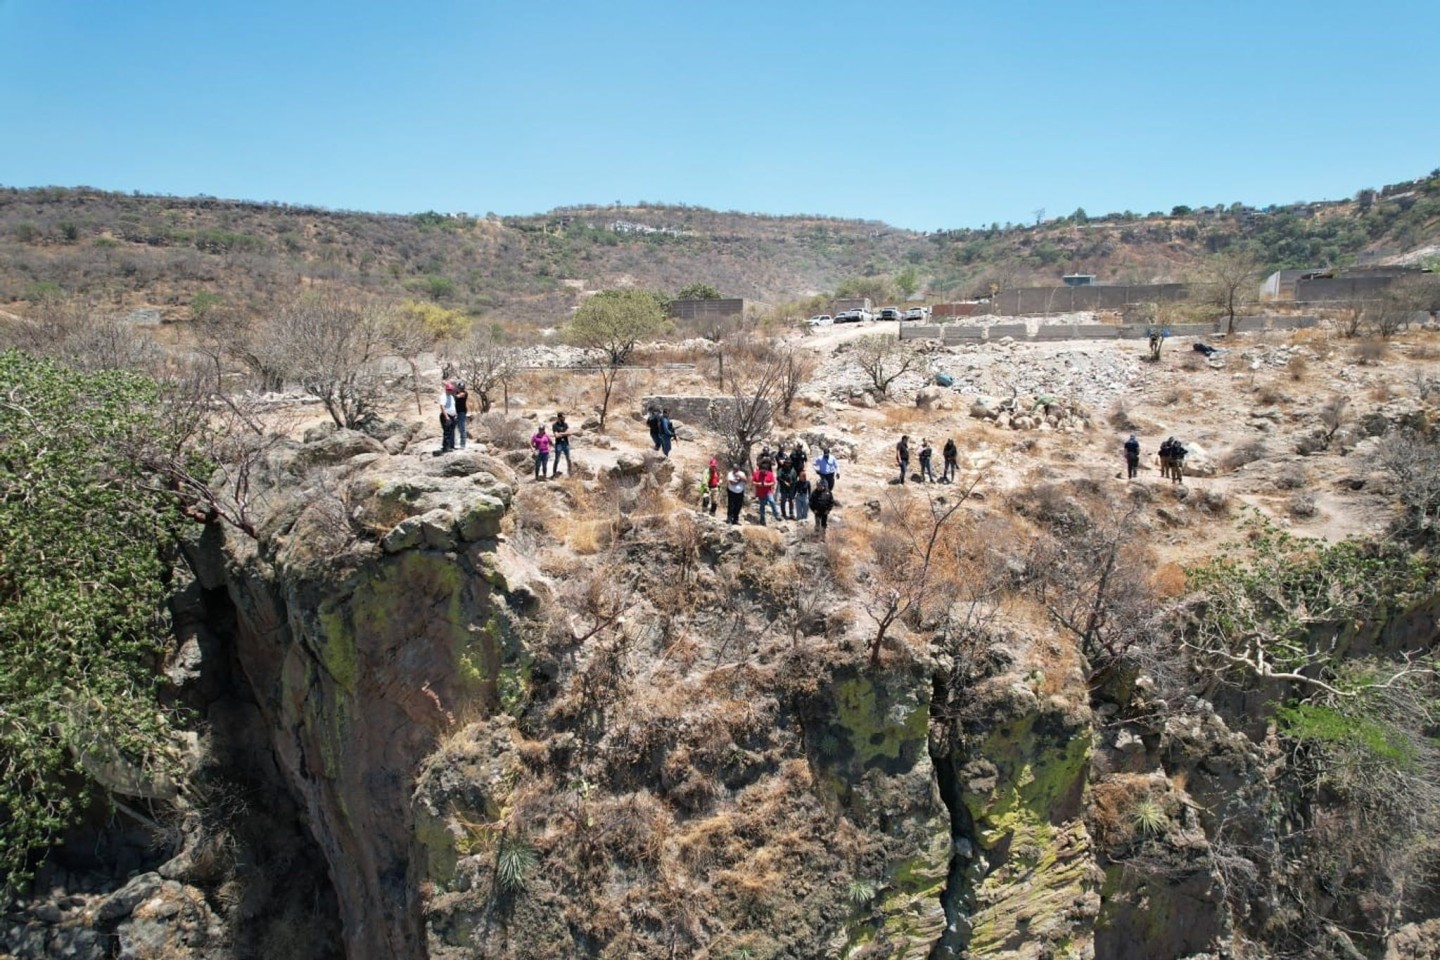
x=764, y=480
x=802, y=496
x=712, y=484
x=820, y=503
x=786, y=478
x=1167, y=458
x=828, y=471
x=462, y=413
x=447, y=418
x=653, y=422
x=541, y=444
x=926, y=455
x=561, y=437
x=1132, y=457
x=797, y=459
x=952, y=460
x=1177, y=461
x=902, y=456
x=735, y=482
x=667, y=432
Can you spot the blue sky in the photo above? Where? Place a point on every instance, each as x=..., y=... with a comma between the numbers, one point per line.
x=923, y=115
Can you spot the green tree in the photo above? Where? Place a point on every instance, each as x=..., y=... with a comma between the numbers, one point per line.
x=612, y=322
x=698, y=291
x=907, y=281
x=1231, y=281
x=82, y=601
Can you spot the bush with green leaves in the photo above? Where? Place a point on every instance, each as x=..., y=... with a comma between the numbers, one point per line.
x=83, y=620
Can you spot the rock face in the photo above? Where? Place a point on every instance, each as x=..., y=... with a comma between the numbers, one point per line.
x=360, y=651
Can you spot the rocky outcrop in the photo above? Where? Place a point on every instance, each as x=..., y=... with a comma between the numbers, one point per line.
x=371, y=615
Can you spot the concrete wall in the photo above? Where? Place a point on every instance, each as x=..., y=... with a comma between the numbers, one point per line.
x=1341, y=288
x=1017, y=330
x=955, y=309
x=707, y=309
x=694, y=411
x=1042, y=300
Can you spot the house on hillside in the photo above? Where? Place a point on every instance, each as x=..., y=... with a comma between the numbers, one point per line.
x=1280, y=285
x=1079, y=279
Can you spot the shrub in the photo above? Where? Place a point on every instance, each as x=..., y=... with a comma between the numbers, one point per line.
x=1246, y=453
x=83, y=620
x=1297, y=368
x=1291, y=477
x=1302, y=506
x=1369, y=352
x=1148, y=818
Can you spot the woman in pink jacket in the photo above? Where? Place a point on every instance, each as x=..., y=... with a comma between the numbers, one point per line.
x=541, y=443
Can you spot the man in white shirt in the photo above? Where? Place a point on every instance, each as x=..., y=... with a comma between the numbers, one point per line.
x=827, y=469
x=448, y=417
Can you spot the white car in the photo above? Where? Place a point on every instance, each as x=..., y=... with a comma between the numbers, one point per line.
x=823, y=320
x=917, y=313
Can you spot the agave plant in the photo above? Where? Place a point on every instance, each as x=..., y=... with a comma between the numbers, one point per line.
x=514, y=860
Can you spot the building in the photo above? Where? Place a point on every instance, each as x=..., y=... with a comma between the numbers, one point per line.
x=707, y=309
x=1079, y=279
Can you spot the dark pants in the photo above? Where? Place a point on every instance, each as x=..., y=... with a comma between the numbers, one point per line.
x=562, y=450
x=904, y=469
x=655, y=438
x=950, y=469
x=822, y=518
x=734, y=503
x=712, y=497
x=787, y=504
x=665, y=444
x=447, y=430
x=925, y=472
x=829, y=480
x=1132, y=466
x=542, y=460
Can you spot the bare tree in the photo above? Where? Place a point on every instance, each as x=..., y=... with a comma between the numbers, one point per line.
x=486, y=364
x=796, y=367
x=884, y=359
x=332, y=346
x=1230, y=279
x=745, y=416
x=906, y=552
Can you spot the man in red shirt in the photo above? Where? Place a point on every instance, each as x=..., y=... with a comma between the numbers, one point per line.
x=764, y=481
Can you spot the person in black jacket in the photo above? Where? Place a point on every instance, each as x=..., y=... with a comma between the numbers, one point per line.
x=952, y=461
x=1132, y=457
x=821, y=500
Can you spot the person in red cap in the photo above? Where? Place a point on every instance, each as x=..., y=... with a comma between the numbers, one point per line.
x=712, y=484
x=448, y=416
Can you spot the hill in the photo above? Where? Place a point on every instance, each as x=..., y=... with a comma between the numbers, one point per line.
x=129, y=251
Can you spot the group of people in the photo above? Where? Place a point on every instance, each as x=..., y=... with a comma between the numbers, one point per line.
x=557, y=442
x=662, y=431
x=1172, y=459
x=454, y=415
x=949, y=452
x=781, y=473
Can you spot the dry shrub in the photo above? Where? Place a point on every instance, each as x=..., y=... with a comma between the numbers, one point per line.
x=1112, y=800
x=1370, y=352
x=1245, y=453
x=1424, y=351
x=1193, y=362
x=1302, y=506
x=588, y=537
x=501, y=431
x=1298, y=368
x=1119, y=417
x=1381, y=392
x=1178, y=396
x=902, y=415
x=1212, y=501
x=1291, y=477
x=1269, y=395
x=1169, y=580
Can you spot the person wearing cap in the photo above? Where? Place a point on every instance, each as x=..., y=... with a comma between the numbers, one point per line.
x=561, y=437
x=712, y=484
x=462, y=412
x=448, y=416
x=1132, y=457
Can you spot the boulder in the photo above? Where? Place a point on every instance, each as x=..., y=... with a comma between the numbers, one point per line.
x=1198, y=461
x=931, y=398
x=337, y=446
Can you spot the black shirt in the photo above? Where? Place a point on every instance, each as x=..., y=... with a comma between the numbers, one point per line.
x=462, y=402
x=561, y=430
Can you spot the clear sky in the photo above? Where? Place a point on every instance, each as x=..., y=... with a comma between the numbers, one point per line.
x=922, y=114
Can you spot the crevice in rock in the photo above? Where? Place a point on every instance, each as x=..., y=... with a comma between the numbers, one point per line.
x=958, y=898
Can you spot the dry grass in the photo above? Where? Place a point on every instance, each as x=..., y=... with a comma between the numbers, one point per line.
x=1370, y=352
x=1297, y=369
x=899, y=416
x=1168, y=580
x=588, y=537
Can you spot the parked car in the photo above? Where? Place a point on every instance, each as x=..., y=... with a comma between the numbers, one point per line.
x=865, y=316
x=848, y=316
x=918, y=313
x=822, y=320
x=890, y=313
